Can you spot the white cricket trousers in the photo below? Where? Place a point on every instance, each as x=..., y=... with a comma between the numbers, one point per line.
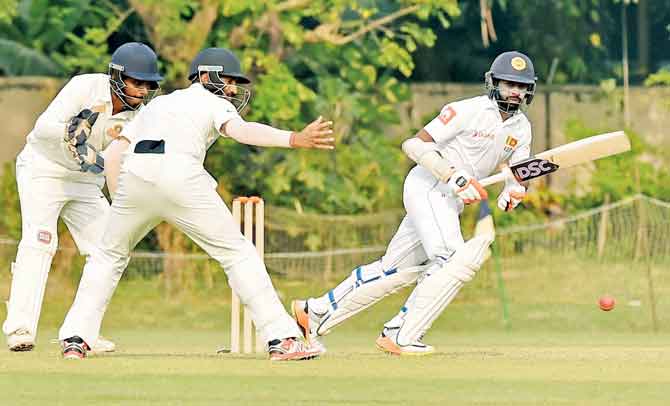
x=430, y=230
x=184, y=195
x=45, y=195
x=432, y=221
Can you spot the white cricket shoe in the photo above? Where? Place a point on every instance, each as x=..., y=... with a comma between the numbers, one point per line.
x=103, y=345
x=386, y=342
x=308, y=321
x=20, y=341
x=291, y=349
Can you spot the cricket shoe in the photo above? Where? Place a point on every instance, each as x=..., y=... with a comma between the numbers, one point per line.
x=74, y=348
x=387, y=343
x=291, y=349
x=308, y=321
x=20, y=341
x=103, y=345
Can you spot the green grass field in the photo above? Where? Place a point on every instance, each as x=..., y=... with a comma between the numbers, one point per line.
x=566, y=353
x=180, y=367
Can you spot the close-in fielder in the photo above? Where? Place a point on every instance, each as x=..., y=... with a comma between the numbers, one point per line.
x=467, y=141
x=58, y=174
x=163, y=179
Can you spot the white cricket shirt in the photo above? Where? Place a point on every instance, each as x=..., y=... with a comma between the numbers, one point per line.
x=45, y=144
x=473, y=137
x=187, y=120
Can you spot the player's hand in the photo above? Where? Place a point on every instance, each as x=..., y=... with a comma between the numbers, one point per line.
x=466, y=187
x=317, y=134
x=511, y=195
x=79, y=127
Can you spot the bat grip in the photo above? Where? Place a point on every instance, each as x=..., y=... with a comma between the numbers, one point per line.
x=497, y=178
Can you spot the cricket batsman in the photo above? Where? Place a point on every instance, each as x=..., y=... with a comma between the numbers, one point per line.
x=59, y=174
x=467, y=141
x=162, y=178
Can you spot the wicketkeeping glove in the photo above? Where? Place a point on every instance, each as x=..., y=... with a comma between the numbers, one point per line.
x=466, y=187
x=89, y=159
x=79, y=128
x=76, y=135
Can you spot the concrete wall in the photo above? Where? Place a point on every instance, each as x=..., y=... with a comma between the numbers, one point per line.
x=22, y=100
x=650, y=110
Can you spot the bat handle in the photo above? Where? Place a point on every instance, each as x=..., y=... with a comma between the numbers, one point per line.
x=497, y=178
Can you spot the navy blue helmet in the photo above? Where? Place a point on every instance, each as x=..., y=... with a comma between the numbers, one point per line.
x=222, y=58
x=134, y=60
x=219, y=64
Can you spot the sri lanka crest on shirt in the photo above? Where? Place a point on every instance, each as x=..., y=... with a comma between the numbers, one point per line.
x=510, y=143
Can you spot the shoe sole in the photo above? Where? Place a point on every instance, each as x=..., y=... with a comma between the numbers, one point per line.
x=22, y=347
x=387, y=346
x=296, y=356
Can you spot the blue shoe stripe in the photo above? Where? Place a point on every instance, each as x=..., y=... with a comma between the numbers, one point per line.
x=333, y=303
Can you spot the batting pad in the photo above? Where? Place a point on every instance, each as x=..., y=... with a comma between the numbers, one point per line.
x=367, y=285
x=29, y=280
x=432, y=295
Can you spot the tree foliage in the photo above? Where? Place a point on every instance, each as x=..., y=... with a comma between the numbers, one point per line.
x=339, y=59
x=7, y=10
x=41, y=32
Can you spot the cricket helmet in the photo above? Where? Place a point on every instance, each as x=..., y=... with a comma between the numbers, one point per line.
x=220, y=63
x=137, y=61
x=219, y=60
x=512, y=66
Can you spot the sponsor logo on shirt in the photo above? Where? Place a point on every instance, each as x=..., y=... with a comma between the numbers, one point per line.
x=44, y=236
x=482, y=134
x=510, y=143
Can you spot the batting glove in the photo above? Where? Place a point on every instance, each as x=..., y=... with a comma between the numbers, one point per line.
x=466, y=187
x=510, y=197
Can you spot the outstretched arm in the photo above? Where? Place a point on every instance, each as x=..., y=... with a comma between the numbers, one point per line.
x=317, y=134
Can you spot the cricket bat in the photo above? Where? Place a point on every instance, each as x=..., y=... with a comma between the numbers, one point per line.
x=565, y=156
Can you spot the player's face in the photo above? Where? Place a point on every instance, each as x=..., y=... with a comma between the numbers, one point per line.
x=230, y=91
x=137, y=90
x=512, y=92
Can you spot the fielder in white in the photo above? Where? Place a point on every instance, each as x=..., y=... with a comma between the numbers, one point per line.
x=467, y=141
x=163, y=179
x=59, y=175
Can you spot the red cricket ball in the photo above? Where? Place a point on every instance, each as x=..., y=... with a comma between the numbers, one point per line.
x=606, y=303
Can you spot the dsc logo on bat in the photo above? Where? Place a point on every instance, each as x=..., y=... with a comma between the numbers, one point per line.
x=532, y=168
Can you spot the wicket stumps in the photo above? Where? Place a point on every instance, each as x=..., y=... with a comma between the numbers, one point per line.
x=250, y=220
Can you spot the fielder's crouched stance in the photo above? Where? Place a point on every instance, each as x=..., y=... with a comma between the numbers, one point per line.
x=163, y=179
x=466, y=142
x=59, y=174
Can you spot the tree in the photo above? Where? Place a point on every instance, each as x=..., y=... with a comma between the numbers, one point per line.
x=36, y=34
x=339, y=58
x=7, y=10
